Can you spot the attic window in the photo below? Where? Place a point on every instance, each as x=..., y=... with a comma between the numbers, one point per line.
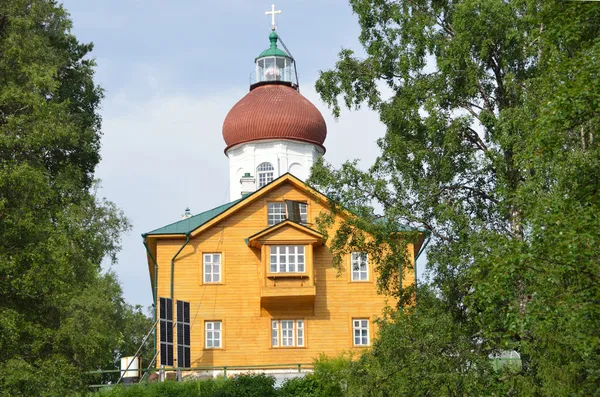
x=276, y=212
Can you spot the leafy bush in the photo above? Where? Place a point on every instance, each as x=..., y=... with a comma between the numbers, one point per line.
x=332, y=374
x=307, y=386
x=163, y=389
x=248, y=385
x=245, y=385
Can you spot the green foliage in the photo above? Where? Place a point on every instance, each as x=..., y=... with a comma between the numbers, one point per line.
x=492, y=148
x=248, y=385
x=59, y=313
x=163, y=389
x=423, y=352
x=244, y=385
x=332, y=374
x=306, y=386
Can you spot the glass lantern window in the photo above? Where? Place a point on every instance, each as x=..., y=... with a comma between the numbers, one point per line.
x=272, y=71
x=274, y=68
x=282, y=64
x=260, y=69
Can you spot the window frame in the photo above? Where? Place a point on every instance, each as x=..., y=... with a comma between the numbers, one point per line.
x=361, y=328
x=213, y=339
x=360, y=271
x=304, y=214
x=273, y=215
x=264, y=173
x=283, y=215
x=212, y=264
x=296, y=334
x=278, y=255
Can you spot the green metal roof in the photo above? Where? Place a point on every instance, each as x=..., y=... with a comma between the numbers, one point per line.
x=273, y=50
x=188, y=225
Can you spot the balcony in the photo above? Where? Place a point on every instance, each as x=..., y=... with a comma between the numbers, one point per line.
x=287, y=262
x=287, y=285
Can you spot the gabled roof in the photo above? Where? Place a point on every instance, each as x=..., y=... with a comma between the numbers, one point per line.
x=197, y=223
x=315, y=236
x=186, y=226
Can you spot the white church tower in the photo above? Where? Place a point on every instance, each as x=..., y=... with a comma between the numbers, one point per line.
x=273, y=129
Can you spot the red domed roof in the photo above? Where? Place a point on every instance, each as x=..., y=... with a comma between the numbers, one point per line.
x=274, y=111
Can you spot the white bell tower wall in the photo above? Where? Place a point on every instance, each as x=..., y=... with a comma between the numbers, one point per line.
x=285, y=156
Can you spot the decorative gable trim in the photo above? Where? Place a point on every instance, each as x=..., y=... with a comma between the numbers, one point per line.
x=309, y=236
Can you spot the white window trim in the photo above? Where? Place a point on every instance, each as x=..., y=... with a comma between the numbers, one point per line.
x=296, y=255
x=298, y=333
x=212, y=263
x=304, y=213
x=277, y=216
x=360, y=271
x=267, y=174
x=357, y=324
x=272, y=216
x=274, y=333
x=213, y=339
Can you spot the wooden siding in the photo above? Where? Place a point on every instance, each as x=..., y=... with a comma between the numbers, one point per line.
x=236, y=301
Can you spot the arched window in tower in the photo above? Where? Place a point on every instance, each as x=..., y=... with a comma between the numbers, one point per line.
x=265, y=172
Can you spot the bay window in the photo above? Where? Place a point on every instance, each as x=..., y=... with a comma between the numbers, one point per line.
x=287, y=259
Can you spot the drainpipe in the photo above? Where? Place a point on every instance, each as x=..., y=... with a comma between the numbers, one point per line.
x=154, y=288
x=187, y=240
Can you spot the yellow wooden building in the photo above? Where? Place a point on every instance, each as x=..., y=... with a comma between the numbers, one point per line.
x=251, y=282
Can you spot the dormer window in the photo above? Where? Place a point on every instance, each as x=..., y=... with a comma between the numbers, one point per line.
x=265, y=172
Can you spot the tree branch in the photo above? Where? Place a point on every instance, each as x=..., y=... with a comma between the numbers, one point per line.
x=469, y=188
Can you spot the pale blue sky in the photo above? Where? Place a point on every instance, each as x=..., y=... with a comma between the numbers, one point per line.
x=171, y=71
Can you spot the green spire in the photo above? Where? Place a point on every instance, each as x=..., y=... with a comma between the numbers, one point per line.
x=273, y=50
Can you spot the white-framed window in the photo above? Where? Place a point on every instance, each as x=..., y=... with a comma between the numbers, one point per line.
x=360, y=266
x=265, y=172
x=287, y=259
x=287, y=333
x=212, y=334
x=360, y=328
x=303, y=213
x=212, y=268
x=275, y=212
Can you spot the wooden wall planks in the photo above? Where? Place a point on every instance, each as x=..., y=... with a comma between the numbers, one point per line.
x=236, y=300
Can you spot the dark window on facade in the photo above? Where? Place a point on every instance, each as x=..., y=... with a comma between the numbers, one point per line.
x=183, y=334
x=166, y=331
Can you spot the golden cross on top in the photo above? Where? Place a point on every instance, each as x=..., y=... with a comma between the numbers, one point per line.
x=272, y=13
